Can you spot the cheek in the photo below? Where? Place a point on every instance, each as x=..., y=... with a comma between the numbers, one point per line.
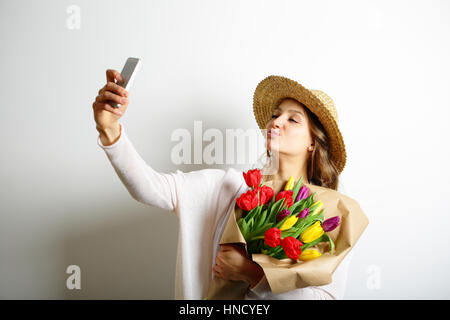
x=297, y=140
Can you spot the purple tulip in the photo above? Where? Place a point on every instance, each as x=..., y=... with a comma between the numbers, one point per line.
x=302, y=193
x=330, y=224
x=283, y=214
x=304, y=213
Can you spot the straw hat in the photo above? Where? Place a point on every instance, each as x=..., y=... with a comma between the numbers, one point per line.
x=269, y=93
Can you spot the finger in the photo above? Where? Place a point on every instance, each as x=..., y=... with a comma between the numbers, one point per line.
x=112, y=109
x=217, y=274
x=218, y=268
x=109, y=96
x=111, y=75
x=220, y=260
x=107, y=107
x=114, y=87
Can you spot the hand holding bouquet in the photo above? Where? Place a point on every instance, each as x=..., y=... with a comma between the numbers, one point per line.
x=280, y=231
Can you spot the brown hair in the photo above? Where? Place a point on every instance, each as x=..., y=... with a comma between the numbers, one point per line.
x=322, y=170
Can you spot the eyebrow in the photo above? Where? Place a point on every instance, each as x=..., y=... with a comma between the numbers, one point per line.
x=292, y=110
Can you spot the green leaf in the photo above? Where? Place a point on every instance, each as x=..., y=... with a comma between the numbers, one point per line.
x=319, y=216
x=312, y=208
x=311, y=200
x=307, y=245
x=328, y=238
x=240, y=222
x=289, y=233
x=261, y=220
x=280, y=255
x=297, y=187
x=274, y=251
x=261, y=230
x=256, y=219
x=269, y=205
x=250, y=225
x=274, y=211
x=293, y=208
x=243, y=227
x=250, y=214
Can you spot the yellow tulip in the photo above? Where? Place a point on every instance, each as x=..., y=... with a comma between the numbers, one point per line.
x=318, y=208
x=309, y=254
x=312, y=233
x=289, y=184
x=289, y=223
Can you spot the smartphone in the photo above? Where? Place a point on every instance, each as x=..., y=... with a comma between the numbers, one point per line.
x=128, y=72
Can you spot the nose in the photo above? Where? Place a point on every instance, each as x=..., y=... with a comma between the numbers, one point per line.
x=276, y=123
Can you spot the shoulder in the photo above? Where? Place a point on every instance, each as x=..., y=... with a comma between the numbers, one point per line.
x=330, y=194
x=229, y=174
x=210, y=177
x=338, y=203
x=353, y=219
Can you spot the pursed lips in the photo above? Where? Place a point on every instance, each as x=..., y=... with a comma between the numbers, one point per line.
x=272, y=133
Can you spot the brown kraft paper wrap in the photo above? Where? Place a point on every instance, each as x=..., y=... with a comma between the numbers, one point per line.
x=286, y=274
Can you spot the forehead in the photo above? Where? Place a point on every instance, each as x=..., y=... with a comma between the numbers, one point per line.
x=291, y=105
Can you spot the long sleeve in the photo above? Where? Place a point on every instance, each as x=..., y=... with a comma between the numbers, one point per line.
x=333, y=291
x=200, y=199
x=150, y=187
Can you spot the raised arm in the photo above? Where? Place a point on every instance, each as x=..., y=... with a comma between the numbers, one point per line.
x=144, y=184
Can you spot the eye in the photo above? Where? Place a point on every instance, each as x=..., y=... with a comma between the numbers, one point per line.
x=293, y=120
x=274, y=116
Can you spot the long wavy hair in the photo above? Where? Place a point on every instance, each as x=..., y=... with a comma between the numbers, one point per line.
x=322, y=170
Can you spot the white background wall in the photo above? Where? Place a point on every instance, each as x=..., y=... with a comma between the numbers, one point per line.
x=384, y=63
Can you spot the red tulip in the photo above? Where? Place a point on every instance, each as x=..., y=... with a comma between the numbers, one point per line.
x=247, y=201
x=287, y=195
x=267, y=194
x=253, y=177
x=272, y=237
x=292, y=247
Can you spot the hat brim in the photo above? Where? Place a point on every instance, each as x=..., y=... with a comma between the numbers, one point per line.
x=269, y=93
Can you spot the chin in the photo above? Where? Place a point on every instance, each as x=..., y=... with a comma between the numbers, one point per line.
x=273, y=147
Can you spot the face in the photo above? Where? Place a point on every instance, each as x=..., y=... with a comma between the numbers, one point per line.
x=290, y=121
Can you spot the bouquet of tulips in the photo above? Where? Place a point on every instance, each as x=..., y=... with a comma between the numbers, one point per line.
x=284, y=225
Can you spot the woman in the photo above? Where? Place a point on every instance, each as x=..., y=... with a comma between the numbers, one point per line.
x=297, y=142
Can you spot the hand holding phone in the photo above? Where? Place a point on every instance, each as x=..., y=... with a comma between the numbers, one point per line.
x=107, y=104
x=128, y=73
